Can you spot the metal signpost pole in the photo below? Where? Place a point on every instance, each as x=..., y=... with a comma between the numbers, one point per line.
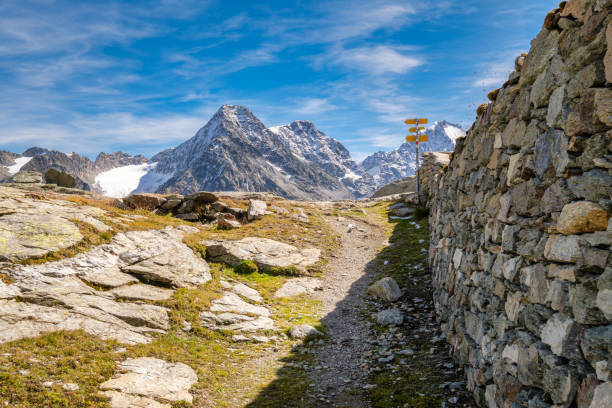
x=418, y=184
x=417, y=138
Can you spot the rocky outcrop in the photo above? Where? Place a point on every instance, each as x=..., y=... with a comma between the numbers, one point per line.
x=60, y=178
x=32, y=227
x=56, y=296
x=202, y=206
x=520, y=225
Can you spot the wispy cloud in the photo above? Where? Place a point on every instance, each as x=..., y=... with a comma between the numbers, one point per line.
x=314, y=106
x=92, y=134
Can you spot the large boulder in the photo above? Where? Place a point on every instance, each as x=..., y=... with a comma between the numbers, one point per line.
x=27, y=177
x=304, y=331
x=144, y=201
x=266, y=253
x=203, y=197
x=54, y=176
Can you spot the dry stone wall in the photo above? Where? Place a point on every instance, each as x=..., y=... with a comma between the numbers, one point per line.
x=520, y=225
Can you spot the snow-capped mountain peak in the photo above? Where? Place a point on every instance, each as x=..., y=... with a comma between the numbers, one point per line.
x=386, y=167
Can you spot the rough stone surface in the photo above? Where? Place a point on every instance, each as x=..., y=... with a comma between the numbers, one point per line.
x=151, y=378
x=30, y=227
x=256, y=210
x=602, y=396
x=266, y=253
x=385, y=289
x=227, y=221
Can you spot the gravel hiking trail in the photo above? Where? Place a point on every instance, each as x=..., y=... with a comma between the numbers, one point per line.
x=341, y=361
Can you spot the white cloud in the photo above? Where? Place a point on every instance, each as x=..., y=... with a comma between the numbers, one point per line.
x=377, y=60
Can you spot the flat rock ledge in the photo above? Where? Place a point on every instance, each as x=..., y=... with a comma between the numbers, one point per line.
x=149, y=383
x=232, y=312
x=56, y=296
x=266, y=253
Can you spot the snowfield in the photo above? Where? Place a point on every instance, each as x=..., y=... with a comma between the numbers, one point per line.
x=121, y=181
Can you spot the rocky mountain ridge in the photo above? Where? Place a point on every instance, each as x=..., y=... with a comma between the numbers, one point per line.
x=235, y=151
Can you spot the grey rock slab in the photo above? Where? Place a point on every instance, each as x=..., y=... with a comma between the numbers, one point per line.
x=110, y=277
x=231, y=302
x=20, y=320
x=385, y=289
x=304, y=331
x=153, y=378
x=246, y=292
x=165, y=261
x=120, y=400
x=30, y=227
x=142, y=292
x=226, y=318
x=298, y=286
x=390, y=317
x=266, y=253
x=260, y=323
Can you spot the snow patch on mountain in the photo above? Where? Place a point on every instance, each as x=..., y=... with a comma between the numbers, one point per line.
x=19, y=163
x=122, y=181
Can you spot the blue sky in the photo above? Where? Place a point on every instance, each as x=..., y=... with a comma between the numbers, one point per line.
x=143, y=76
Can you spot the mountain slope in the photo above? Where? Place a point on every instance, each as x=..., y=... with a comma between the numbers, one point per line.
x=82, y=168
x=235, y=151
x=386, y=167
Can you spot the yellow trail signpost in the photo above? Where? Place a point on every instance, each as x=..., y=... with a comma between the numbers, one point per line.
x=416, y=137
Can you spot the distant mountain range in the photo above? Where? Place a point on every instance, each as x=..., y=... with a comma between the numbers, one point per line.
x=234, y=151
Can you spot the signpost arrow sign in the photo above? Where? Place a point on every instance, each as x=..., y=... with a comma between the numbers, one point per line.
x=415, y=121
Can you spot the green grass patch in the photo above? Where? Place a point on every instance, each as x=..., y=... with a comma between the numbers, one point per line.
x=246, y=267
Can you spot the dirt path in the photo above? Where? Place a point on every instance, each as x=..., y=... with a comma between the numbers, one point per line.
x=340, y=377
